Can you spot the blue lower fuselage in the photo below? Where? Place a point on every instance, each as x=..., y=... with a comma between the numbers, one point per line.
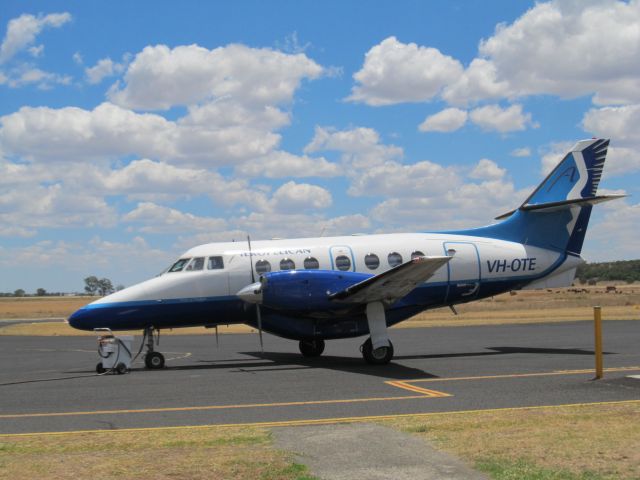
x=212, y=311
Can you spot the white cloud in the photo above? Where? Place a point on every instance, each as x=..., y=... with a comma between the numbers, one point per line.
x=53, y=206
x=395, y=72
x=96, y=257
x=521, y=152
x=447, y=120
x=154, y=218
x=28, y=75
x=160, y=77
x=109, y=131
x=623, y=219
x=280, y=164
x=394, y=179
x=104, y=68
x=487, y=170
x=361, y=147
x=36, y=51
x=618, y=123
x=477, y=82
x=297, y=197
x=562, y=48
x=77, y=58
x=465, y=206
x=493, y=117
x=22, y=32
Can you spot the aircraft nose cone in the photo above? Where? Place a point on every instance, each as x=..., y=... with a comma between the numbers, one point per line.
x=251, y=293
x=80, y=320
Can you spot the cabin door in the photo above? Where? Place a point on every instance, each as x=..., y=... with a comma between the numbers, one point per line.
x=464, y=271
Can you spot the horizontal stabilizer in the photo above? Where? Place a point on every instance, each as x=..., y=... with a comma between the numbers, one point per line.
x=393, y=284
x=555, y=206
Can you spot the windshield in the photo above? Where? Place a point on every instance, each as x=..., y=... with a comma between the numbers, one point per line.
x=179, y=265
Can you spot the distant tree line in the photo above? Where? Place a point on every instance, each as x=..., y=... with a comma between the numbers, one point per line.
x=624, y=271
x=94, y=286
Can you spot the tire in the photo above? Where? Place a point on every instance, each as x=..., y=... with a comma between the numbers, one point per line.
x=380, y=356
x=121, y=368
x=100, y=369
x=311, y=348
x=154, y=360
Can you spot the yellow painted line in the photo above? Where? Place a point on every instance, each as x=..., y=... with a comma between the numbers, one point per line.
x=412, y=388
x=520, y=375
x=211, y=407
x=321, y=421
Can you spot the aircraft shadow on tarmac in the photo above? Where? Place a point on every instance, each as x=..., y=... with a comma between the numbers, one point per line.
x=277, y=361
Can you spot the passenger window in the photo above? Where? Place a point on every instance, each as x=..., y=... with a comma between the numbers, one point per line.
x=196, y=264
x=262, y=266
x=215, y=263
x=417, y=254
x=343, y=263
x=179, y=265
x=394, y=259
x=372, y=261
x=311, y=263
x=287, y=264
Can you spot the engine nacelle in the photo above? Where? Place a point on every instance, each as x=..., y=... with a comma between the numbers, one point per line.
x=306, y=290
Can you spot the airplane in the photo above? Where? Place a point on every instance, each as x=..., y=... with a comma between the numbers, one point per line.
x=317, y=289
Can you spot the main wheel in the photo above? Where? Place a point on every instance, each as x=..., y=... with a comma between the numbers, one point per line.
x=311, y=348
x=100, y=369
x=154, y=360
x=379, y=356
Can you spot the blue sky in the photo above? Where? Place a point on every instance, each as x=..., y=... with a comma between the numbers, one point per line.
x=130, y=131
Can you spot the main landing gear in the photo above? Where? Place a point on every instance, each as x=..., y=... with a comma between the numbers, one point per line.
x=152, y=359
x=377, y=356
x=311, y=348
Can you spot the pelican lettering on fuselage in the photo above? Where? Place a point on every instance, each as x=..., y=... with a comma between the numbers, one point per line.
x=317, y=289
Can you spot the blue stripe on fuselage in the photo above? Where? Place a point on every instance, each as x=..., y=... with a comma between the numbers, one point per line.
x=200, y=311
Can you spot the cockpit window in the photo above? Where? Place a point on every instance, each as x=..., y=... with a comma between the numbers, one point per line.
x=196, y=264
x=179, y=265
x=215, y=263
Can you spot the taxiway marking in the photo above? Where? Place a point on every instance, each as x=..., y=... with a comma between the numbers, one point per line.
x=320, y=421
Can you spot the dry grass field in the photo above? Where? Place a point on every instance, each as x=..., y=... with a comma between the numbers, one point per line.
x=588, y=442
x=527, y=306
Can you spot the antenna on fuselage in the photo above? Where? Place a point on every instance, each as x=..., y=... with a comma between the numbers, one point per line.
x=253, y=280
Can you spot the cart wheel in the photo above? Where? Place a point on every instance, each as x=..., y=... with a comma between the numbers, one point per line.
x=100, y=369
x=121, y=368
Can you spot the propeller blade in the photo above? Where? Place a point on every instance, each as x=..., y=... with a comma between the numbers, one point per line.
x=260, y=327
x=255, y=292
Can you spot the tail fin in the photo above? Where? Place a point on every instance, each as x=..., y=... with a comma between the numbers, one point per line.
x=556, y=214
x=576, y=177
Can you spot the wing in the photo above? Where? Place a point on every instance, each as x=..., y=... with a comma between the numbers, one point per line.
x=393, y=284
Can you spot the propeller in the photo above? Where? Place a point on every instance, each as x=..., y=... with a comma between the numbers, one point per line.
x=253, y=280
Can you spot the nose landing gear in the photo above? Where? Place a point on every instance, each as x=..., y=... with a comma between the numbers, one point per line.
x=152, y=359
x=311, y=348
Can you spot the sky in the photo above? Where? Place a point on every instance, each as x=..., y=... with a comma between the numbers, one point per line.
x=132, y=131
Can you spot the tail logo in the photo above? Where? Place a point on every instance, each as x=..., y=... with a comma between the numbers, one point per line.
x=569, y=172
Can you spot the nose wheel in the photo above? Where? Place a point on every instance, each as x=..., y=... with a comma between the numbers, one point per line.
x=311, y=348
x=152, y=360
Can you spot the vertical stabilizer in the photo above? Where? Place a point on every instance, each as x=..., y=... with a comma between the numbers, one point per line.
x=556, y=214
